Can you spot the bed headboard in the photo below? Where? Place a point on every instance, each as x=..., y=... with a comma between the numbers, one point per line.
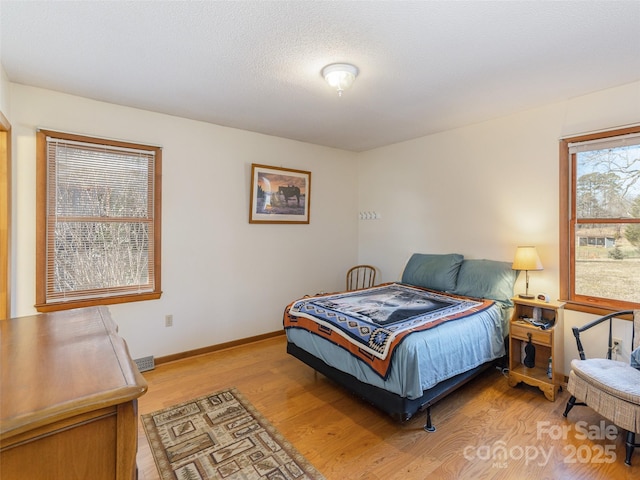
x=452, y=273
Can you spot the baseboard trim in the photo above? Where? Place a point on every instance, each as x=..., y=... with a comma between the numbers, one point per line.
x=215, y=348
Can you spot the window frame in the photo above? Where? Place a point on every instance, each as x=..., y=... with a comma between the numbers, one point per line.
x=43, y=304
x=582, y=303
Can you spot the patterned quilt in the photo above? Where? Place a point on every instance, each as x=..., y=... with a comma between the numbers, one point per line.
x=371, y=323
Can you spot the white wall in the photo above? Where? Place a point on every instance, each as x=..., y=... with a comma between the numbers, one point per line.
x=4, y=93
x=482, y=190
x=479, y=190
x=223, y=279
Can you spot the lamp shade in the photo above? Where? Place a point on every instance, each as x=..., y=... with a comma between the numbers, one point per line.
x=526, y=259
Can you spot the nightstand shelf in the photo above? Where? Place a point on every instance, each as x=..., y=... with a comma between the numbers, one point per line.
x=548, y=343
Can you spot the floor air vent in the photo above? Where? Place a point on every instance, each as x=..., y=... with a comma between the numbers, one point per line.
x=145, y=363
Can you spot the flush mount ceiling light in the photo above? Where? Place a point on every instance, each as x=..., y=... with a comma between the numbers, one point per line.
x=340, y=75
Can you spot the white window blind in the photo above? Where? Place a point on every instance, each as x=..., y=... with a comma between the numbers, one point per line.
x=100, y=220
x=605, y=143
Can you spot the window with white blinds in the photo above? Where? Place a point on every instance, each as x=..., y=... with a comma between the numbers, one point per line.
x=99, y=222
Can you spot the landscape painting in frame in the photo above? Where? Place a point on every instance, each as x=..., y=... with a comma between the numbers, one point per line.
x=279, y=195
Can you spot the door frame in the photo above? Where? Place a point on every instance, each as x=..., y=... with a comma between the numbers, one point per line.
x=5, y=217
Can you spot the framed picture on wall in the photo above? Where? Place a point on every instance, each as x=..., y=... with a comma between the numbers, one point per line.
x=279, y=195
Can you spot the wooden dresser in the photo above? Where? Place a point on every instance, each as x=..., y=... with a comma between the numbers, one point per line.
x=68, y=398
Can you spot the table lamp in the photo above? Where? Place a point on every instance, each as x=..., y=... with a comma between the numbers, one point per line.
x=526, y=259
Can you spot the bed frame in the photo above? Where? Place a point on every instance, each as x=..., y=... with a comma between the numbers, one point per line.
x=400, y=408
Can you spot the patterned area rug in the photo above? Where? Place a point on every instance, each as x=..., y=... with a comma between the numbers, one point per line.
x=221, y=436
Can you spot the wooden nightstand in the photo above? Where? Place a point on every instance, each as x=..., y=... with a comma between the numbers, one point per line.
x=548, y=343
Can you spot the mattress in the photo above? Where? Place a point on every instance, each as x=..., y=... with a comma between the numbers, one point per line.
x=423, y=358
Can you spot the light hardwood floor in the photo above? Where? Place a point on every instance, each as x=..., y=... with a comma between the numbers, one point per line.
x=346, y=439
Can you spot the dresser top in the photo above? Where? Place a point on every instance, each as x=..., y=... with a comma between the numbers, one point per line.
x=59, y=364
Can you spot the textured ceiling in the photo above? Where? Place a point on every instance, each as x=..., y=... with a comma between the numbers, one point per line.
x=425, y=66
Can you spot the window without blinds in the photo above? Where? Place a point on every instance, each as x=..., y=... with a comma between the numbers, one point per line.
x=101, y=223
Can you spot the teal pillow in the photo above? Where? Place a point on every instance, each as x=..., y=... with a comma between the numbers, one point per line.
x=433, y=271
x=486, y=279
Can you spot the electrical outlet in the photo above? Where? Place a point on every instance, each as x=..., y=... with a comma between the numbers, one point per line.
x=168, y=320
x=617, y=345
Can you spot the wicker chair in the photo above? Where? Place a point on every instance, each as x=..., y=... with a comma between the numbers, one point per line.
x=361, y=276
x=609, y=387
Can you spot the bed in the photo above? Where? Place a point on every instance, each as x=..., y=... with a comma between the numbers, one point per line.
x=403, y=346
